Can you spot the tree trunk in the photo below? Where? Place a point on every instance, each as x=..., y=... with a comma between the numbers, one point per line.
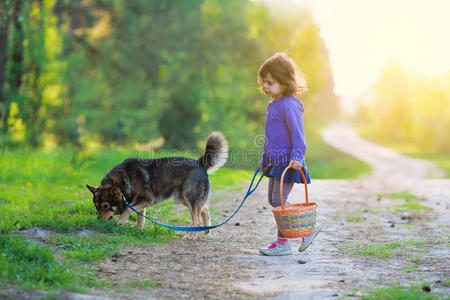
x=75, y=14
x=15, y=79
x=34, y=125
x=58, y=10
x=4, y=33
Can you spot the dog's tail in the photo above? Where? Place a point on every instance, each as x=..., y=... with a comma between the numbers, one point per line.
x=216, y=152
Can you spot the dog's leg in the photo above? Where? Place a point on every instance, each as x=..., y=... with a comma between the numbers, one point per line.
x=124, y=216
x=195, y=215
x=205, y=218
x=196, y=220
x=140, y=220
x=188, y=236
x=127, y=212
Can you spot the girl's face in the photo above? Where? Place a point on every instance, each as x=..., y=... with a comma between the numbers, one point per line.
x=272, y=87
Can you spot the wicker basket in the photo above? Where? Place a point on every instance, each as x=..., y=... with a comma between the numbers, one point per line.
x=295, y=220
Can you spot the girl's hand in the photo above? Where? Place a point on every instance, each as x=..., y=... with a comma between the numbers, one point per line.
x=295, y=164
x=261, y=168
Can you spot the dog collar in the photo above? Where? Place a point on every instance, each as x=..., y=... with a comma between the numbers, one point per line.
x=123, y=204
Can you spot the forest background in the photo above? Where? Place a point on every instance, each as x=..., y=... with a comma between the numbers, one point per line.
x=146, y=75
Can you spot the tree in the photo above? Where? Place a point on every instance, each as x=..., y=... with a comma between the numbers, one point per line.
x=6, y=10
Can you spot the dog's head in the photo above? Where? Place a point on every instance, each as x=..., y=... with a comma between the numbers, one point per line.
x=108, y=200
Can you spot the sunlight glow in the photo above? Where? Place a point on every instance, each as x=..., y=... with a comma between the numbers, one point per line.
x=363, y=36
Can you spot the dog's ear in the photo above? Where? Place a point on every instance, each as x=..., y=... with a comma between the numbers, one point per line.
x=127, y=183
x=118, y=193
x=93, y=189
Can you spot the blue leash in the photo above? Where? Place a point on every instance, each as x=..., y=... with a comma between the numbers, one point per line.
x=203, y=228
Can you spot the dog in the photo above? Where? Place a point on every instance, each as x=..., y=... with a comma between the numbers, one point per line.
x=144, y=182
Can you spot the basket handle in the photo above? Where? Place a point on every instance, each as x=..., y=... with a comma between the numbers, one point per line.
x=281, y=185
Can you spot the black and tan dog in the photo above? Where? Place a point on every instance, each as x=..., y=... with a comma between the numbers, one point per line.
x=144, y=182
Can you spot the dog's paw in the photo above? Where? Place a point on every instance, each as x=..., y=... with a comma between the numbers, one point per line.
x=186, y=237
x=191, y=236
x=121, y=222
x=209, y=237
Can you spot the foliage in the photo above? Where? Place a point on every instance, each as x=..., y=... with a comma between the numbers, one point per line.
x=120, y=72
x=408, y=108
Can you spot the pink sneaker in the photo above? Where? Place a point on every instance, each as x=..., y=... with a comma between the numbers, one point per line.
x=276, y=249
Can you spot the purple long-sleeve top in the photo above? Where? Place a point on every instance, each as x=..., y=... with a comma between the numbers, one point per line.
x=285, y=135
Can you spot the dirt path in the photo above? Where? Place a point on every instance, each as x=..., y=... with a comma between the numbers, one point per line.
x=228, y=266
x=355, y=218
x=386, y=163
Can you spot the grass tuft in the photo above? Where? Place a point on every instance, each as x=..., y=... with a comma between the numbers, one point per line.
x=396, y=292
x=354, y=218
x=31, y=266
x=383, y=250
x=411, y=201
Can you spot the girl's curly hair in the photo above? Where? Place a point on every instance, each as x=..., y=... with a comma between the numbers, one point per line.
x=284, y=70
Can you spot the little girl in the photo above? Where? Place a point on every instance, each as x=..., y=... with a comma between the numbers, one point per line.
x=284, y=143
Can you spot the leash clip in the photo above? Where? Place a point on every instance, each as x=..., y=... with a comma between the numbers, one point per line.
x=123, y=204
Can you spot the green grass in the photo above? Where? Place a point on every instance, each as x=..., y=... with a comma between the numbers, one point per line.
x=411, y=206
x=410, y=269
x=383, y=250
x=48, y=190
x=31, y=266
x=147, y=284
x=226, y=179
x=396, y=292
x=354, y=218
x=406, y=195
x=416, y=259
x=377, y=250
x=85, y=249
x=411, y=201
x=446, y=282
x=127, y=287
